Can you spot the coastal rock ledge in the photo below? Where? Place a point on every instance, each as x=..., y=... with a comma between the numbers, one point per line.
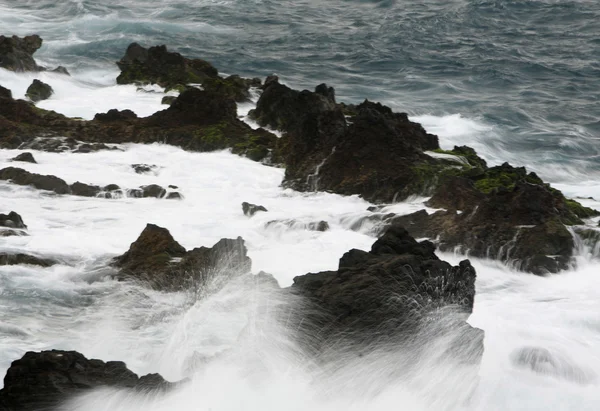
x=44, y=380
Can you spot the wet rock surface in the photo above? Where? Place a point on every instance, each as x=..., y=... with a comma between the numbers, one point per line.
x=25, y=157
x=44, y=380
x=20, y=258
x=251, y=209
x=12, y=220
x=391, y=293
x=16, y=54
x=38, y=91
x=156, y=259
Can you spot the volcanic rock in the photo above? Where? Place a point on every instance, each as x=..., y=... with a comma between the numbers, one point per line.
x=43, y=380
x=391, y=292
x=251, y=209
x=25, y=157
x=16, y=54
x=39, y=91
x=12, y=220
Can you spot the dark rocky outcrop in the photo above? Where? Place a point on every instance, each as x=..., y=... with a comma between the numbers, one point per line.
x=251, y=209
x=19, y=258
x=156, y=65
x=12, y=220
x=153, y=190
x=391, y=292
x=171, y=70
x=25, y=157
x=375, y=154
x=115, y=115
x=161, y=262
x=502, y=213
x=59, y=186
x=42, y=182
x=197, y=121
x=43, y=380
x=152, y=251
x=16, y=54
x=38, y=91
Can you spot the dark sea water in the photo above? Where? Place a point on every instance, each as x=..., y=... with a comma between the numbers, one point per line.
x=517, y=80
x=527, y=72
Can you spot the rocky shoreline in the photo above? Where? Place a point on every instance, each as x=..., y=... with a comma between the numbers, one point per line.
x=388, y=294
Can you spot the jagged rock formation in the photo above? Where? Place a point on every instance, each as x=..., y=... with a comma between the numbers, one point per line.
x=158, y=260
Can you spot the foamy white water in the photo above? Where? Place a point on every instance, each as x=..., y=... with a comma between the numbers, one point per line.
x=75, y=306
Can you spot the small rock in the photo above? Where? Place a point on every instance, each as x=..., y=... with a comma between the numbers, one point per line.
x=61, y=70
x=153, y=190
x=251, y=209
x=12, y=220
x=111, y=187
x=84, y=190
x=39, y=91
x=25, y=157
x=174, y=196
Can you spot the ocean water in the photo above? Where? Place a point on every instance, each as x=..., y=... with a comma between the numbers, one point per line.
x=517, y=80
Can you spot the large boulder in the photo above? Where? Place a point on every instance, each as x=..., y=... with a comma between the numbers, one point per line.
x=44, y=380
x=390, y=293
x=156, y=259
x=38, y=91
x=16, y=54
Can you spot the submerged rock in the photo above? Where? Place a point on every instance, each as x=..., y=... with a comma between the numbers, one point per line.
x=25, y=157
x=251, y=209
x=20, y=258
x=311, y=226
x=39, y=91
x=44, y=380
x=545, y=362
x=16, y=54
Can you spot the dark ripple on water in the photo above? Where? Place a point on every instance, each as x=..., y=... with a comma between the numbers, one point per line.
x=530, y=68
